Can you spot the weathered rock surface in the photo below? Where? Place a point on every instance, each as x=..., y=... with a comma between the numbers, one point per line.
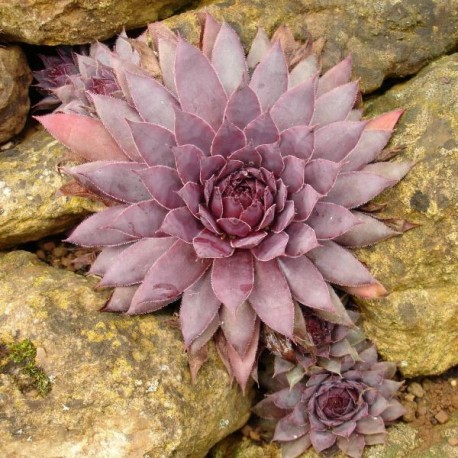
x=29, y=180
x=417, y=323
x=120, y=385
x=387, y=38
x=53, y=22
x=15, y=78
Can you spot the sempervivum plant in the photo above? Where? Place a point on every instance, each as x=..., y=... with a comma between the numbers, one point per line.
x=234, y=184
x=330, y=412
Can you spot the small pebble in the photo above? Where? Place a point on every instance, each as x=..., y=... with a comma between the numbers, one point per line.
x=409, y=397
x=453, y=382
x=410, y=407
x=422, y=411
x=442, y=417
x=59, y=251
x=453, y=441
x=416, y=389
x=48, y=246
x=41, y=254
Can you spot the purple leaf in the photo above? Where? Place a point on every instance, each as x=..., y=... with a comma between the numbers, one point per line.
x=74, y=130
x=210, y=165
x=154, y=143
x=162, y=283
x=229, y=138
x=352, y=446
x=252, y=214
x=199, y=306
x=306, y=283
x=198, y=87
x=228, y=59
x=302, y=239
x=250, y=241
x=261, y=130
x=370, y=425
x=295, y=107
x=270, y=78
x=187, y=160
x=180, y=223
x=208, y=220
x=271, y=247
x=304, y=70
x=190, y=129
x=120, y=299
x=163, y=183
x=167, y=52
x=268, y=217
x=192, y=195
x=293, y=174
x=209, y=245
x=297, y=141
x=243, y=106
x=135, y=261
x=321, y=440
x=234, y=226
x=209, y=31
x=283, y=218
x=391, y=170
x=304, y=202
x=281, y=196
x=339, y=266
x=105, y=259
x=336, y=76
x=271, y=158
x=296, y=447
x=271, y=297
x=259, y=48
x=232, y=279
x=331, y=220
x=321, y=174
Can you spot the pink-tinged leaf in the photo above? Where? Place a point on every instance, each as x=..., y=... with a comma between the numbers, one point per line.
x=209, y=245
x=105, y=259
x=297, y=141
x=249, y=241
x=243, y=107
x=294, y=448
x=209, y=31
x=187, y=160
x=335, y=141
x=268, y=217
x=386, y=121
x=232, y=279
x=199, y=342
x=393, y=411
x=321, y=440
x=228, y=59
x=270, y=78
x=232, y=208
x=190, y=129
x=304, y=70
x=372, y=291
x=321, y=174
x=92, y=231
x=135, y=261
x=271, y=247
x=216, y=204
x=140, y=220
x=192, y=195
x=229, y=138
x=167, y=51
x=259, y=48
x=339, y=315
x=198, y=87
x=261, y=130
x=210, y=165
x=293, y=174
x=304, y=202
x=355, y=115
x=252, y=214
x=154, y=143
x=331, y=220
x=336, y=104
x=370, y=425
x=339, y=266
x=120, y=299
x=116, y=180
x=302, y=239
x=146, y=307
x=353, y=189
x=238, y=327
x=284, y=217
x=280, y=197
x=369, y=232
x=306, y=283
x=336, y=76
x=208, y=220
x=271, y=158
x=352, y=446
x=271, y=297
x=154, y=103
x=74, y=130
x=180, y=223
x=163, y=183
x=120, y=68
x=248, y=155
x=234, y=226
x=114, y=114
x=287, y=429
x=199, y=307
x=162, y=283
x=243, y=367
x=295, y=107
x=392, y=170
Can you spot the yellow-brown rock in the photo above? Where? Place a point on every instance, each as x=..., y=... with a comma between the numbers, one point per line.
x=29, y=181
x=387, y=38
x=120, y=385
x=417, y=324
x=54, y=22
x=15, y=78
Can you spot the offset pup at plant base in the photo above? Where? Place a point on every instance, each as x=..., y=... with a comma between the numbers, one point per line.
x=232, y=183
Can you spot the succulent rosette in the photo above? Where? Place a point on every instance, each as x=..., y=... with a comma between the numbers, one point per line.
x=330, y=412
x=233, y=184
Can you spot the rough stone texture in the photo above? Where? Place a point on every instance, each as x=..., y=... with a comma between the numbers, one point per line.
x=15, y=78
x=387, y=38
x=417, y=324
x=53, y=22
x=29, y=180
x=121, y=385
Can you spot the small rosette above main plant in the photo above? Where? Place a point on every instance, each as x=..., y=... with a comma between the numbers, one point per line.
x=233, y=182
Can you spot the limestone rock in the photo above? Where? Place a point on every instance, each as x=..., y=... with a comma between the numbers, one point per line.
x=120, y=385
x=15, y=78
x=29, y=180
x=53, y=22
x=417, y=324
x=387, y=38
